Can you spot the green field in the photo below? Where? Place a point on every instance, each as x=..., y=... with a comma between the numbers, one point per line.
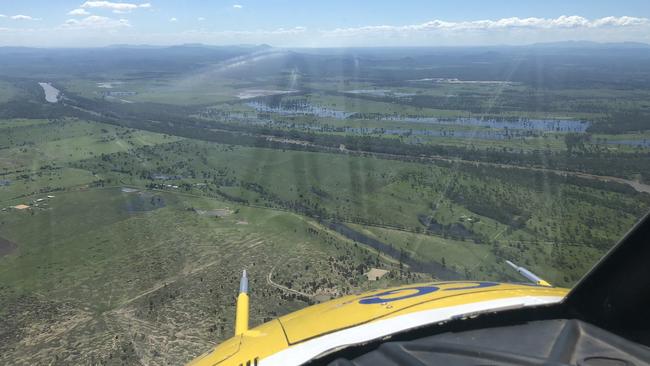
x=389, y=192
x=92, y=280
x=128, y=259
x=179, y=91
x=7, y=91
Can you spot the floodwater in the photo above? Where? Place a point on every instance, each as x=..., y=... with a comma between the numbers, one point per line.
x=546, y=125
x=532, y=124
x=302, y=109
x=637, y=143
x=474, y=134
x=373, y=92
x=51, y=93
x=255, y=93
x=109, y=85
x=477, y=134
x=458, y=81
x=380, y=93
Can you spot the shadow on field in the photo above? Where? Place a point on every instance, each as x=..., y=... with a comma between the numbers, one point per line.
x=143, y=202
x=6, y=246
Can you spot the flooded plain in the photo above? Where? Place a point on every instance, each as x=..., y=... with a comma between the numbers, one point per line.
x=506, y=124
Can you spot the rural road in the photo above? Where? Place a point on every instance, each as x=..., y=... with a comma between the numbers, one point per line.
x=269, y=280
x=638, y=186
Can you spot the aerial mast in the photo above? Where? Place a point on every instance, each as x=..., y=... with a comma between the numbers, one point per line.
x=241, y=315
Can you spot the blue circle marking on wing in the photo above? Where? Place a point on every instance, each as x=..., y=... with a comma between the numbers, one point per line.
x=422, y=290
x=380, y=298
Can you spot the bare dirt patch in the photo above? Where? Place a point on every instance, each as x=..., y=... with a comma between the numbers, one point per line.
x=375, y=273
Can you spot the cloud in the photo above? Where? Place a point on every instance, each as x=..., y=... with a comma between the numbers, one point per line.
x=200, y=19
x=78, y=12
x=2, y=16
x=506, y=31
x=562, y=22
x=238, y=6
x=620, y=21
x=115, y=7
x=96, y=22
x=23, y=17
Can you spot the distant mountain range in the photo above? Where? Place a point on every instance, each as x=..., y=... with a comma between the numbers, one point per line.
x=262, y=47
x=589, y=44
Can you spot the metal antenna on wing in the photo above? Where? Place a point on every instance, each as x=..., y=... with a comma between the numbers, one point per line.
x=241, y=315
x=528, y=274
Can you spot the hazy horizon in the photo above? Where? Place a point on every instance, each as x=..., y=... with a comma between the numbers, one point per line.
x=253, y=45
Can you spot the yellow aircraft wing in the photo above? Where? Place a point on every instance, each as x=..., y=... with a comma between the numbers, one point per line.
x=316, y=330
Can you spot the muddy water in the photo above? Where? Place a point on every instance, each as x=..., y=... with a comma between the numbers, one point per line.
x=51, y=93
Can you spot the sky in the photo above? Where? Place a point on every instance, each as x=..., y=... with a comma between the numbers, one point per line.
x=310, y=23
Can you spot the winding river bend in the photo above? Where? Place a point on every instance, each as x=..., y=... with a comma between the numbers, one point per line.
x=435, y=268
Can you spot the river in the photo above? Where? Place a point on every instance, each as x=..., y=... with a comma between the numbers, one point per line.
x=51, y=93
